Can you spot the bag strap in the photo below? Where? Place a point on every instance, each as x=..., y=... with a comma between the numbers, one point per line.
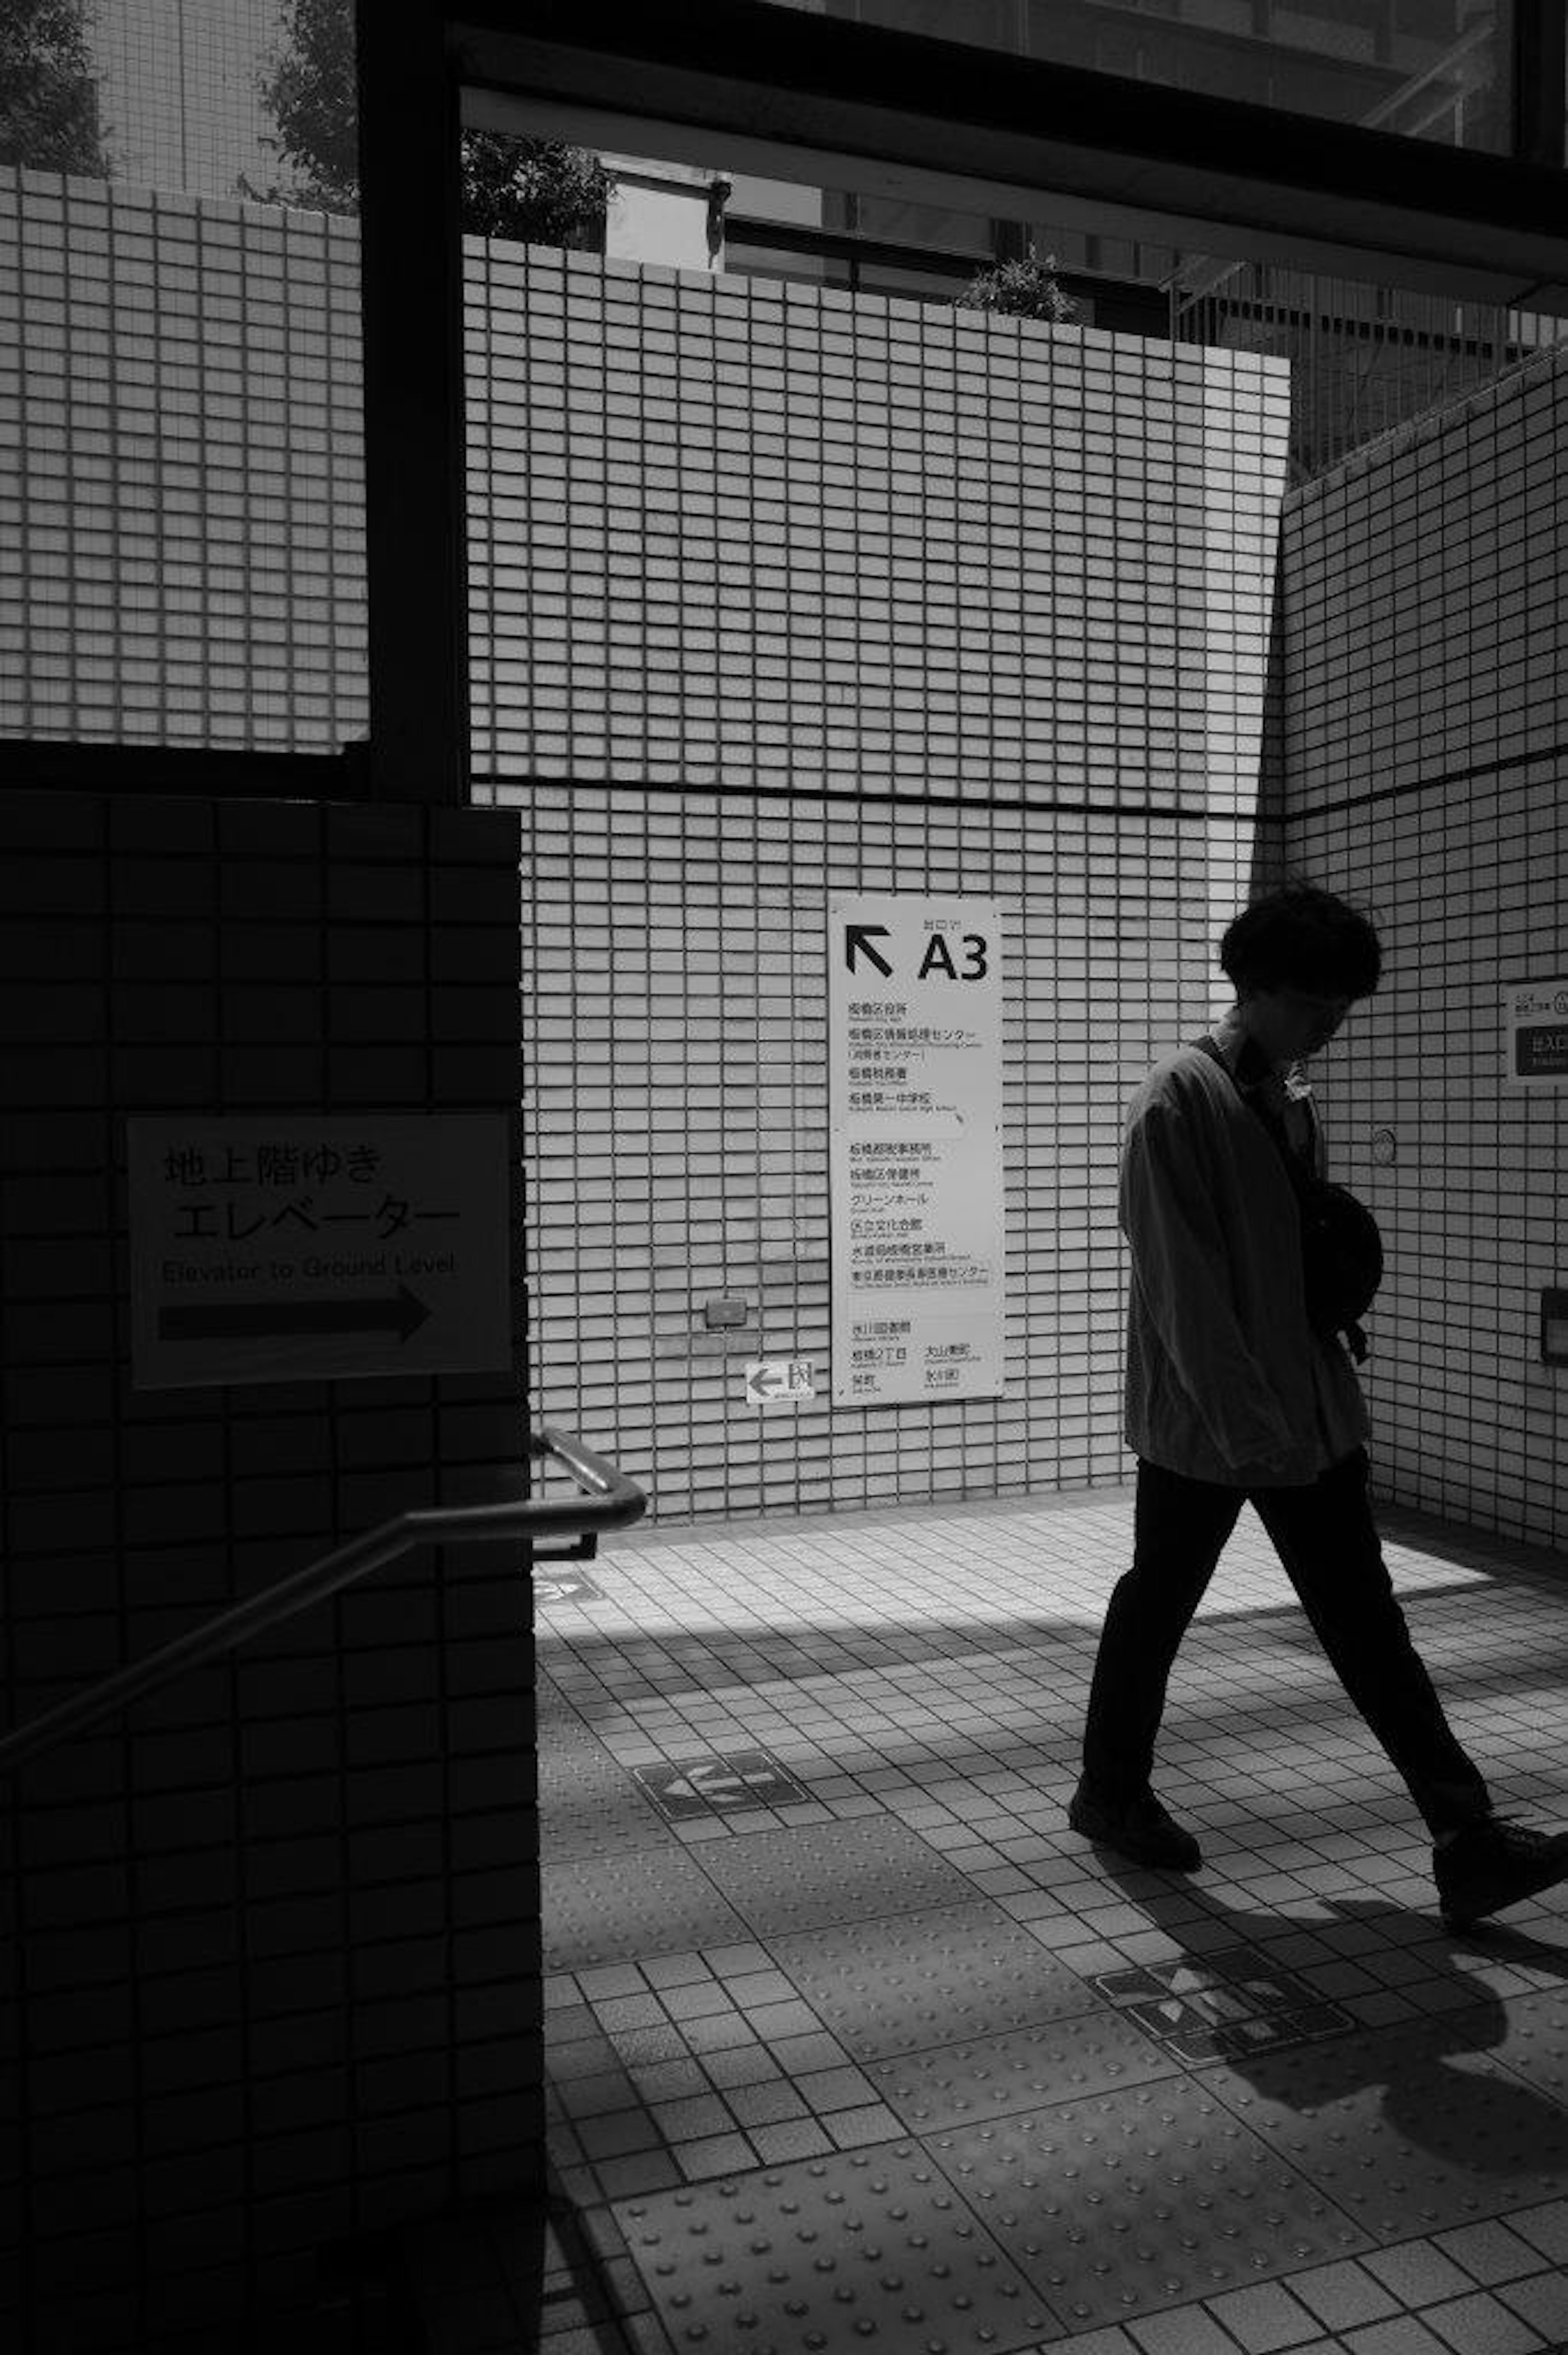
x=1288, y=1154
x=1294, y=1171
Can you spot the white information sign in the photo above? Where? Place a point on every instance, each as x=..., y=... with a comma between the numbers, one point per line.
x=914, y=1027
x=767, y=1379
x=1535, y=1034
x=297, y=1247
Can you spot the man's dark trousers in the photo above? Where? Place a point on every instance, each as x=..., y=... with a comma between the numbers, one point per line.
x=1324, y=1536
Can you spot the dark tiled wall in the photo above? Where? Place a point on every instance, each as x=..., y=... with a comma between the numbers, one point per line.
x=1424, y=753
x=274, y=1936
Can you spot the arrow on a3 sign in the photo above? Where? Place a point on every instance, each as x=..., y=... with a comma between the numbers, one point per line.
x=859, y=937
x=400, y=1312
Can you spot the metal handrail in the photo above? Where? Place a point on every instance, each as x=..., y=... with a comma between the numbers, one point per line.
x=611, y=1502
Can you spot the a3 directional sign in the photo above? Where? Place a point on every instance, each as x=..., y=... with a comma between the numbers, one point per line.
x=725, y=1784
x=914, y=1158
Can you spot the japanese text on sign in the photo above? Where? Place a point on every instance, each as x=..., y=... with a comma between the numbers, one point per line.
x=279, y=1248
x=914, y=1014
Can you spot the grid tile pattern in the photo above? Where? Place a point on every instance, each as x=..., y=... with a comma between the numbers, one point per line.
x=278, y=1941
x=745, y=533
x=1420, y=765
x=1401, y=2183
x=675, y=1012
x=180, y=416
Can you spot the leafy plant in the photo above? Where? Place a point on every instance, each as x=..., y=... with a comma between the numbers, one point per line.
x=539, y=191
x=48, y=98
x=1025, y=286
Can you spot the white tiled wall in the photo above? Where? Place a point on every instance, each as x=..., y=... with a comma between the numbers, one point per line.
x=793, y=594
x=1424, y=596
x=180, y=469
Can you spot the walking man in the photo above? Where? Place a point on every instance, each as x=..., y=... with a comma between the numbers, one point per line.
x=1236, y=1392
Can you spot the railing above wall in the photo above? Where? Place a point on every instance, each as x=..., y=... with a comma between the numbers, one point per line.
x=609, y=1501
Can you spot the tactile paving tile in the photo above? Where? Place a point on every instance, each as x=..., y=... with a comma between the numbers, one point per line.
x=588, y=1804
x=1536, y=2043
x=818, y=1874
x=608, y=1908
x=1410, y=2129
x=831, y=2255
x=911, y=1980
x=1137, y=2200
x=1024, y=2069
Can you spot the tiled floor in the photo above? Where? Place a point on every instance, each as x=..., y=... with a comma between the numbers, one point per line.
x=901, y=2063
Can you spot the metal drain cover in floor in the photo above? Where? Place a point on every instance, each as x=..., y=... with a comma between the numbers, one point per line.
x=828, y=2256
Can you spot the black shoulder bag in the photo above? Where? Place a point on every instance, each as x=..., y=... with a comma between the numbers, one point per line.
x=1341, y=1250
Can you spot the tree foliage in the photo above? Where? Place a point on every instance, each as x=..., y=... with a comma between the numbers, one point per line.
x=536, y=190
x=48, y=97
x=1026, y=287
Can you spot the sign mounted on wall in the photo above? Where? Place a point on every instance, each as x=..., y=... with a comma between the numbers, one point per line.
x=915, y=1110
x=1535, y=1034
x=297, y=1247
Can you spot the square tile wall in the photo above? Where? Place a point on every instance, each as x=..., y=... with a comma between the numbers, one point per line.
x=1420, y=768
x=844, y=594
x=271, y=1938
x=180, y=466
x=735, y=532
x=676, y=1125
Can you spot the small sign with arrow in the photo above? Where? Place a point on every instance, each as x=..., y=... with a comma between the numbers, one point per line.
x=724, y=1784
x=771, y=1378
x=299, y=1246
x=565, y=1586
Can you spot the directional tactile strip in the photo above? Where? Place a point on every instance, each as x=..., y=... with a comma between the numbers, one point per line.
x=816, y=1873
x=917, y=1979
x=827, y=2256
x=1021, y=2070
x=1411, y=2129
x=1149, y=2197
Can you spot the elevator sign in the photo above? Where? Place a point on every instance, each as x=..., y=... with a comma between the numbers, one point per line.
x=914, y=1112
x=1535, y=1034
x=297, y=1247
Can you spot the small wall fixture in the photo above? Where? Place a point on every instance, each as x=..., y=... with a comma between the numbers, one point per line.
x=1554, y=1329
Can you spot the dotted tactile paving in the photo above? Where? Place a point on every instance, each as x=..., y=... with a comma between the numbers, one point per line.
x=1410, y=2130
x=831, y=2256
x=600, y=1909
x=814, y=1874
x=588, y=1804
x=995, y=2076
x=913, y=1980
x=1141, y=2200
x=1535, y=2046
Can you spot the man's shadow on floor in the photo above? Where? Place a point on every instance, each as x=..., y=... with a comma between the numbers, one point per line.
x=1486, y=2122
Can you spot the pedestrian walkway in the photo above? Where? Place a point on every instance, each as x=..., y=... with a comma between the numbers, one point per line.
x=853, y=2043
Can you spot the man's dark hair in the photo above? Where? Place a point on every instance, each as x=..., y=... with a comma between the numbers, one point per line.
x=1301, y=938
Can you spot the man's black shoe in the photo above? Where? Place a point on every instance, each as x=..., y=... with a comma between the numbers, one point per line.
x=1139, y=1830
x=1493, y=1864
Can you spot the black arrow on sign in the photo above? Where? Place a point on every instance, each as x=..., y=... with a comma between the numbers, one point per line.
x=236, y=1320
x=858, y=936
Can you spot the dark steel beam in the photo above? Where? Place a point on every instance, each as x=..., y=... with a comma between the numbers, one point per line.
x=412, y=300
x=800, y=97
x=1539, y=81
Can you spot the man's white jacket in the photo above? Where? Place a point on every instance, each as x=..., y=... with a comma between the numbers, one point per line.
x=1227, y=1381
